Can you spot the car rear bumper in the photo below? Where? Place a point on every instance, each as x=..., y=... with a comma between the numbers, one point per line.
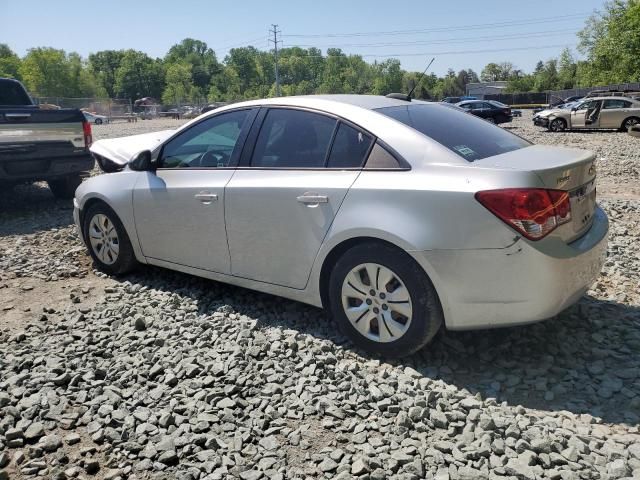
x=522, y=283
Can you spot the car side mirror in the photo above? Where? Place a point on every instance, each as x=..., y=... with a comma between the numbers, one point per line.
x=142, y=162
x=634, y=131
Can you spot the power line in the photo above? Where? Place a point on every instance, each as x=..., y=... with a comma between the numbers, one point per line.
x=457, y=52
x=243, y=44
x=449, y=40
x=478, y=26
x=275, y=32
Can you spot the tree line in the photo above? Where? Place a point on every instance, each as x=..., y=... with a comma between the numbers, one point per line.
x=191, y=72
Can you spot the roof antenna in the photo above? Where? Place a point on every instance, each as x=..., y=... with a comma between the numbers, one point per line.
x=420, y=79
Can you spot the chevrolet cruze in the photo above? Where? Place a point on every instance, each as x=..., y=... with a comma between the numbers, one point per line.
x=399, y=217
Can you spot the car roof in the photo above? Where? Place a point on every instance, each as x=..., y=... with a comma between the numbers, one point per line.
x=369, y=102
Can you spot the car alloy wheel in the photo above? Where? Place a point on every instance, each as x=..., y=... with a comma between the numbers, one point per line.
x=103, y=238
x=557, y=125
x=377, y=302
x=630, y=122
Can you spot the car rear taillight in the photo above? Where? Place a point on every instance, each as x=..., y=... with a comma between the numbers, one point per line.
x=534, y=212
x=86, y=130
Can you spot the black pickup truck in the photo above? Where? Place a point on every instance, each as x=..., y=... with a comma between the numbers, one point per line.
x=41, y=144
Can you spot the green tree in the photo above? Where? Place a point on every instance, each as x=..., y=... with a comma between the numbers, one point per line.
x=139, y=76
x=203, y=61
x=179, y=86
x=9, y=62
x=104, y=65
x=567, y=70
x=45, y=72
x=611, y=43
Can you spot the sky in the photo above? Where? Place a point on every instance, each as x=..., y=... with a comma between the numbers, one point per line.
x=467, y=35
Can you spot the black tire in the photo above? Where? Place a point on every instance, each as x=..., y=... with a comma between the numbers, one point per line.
x=491, y=120
x=426, y=317
x=65, y=188
x=629, y=122
x=126, y=259
x=98, y=121
x=557, y=125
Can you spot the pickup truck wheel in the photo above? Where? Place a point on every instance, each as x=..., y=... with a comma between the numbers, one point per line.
x=65, y=188
x=107, y=240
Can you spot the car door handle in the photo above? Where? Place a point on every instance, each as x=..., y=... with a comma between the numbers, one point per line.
x=206, y=198
x=312, y=198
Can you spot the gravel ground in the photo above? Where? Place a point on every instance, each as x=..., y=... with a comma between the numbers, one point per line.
x=164, y=375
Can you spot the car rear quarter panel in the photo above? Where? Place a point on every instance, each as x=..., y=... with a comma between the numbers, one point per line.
x=429, y=208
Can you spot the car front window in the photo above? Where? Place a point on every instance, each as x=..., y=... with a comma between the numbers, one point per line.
x=211, y=143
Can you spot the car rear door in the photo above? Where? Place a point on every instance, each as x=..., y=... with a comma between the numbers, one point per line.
x=613, y=112
x=179, y=208
x=295, y=172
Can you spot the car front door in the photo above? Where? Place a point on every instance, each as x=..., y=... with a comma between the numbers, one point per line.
x=581, y=114
x=179, y=208
x=284, y=196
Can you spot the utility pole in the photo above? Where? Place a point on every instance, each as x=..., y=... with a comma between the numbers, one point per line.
x=275, y=40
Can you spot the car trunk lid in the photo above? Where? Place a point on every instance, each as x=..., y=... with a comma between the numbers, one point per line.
x=567, y=169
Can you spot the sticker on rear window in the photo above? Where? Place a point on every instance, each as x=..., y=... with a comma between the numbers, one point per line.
x=464, y=150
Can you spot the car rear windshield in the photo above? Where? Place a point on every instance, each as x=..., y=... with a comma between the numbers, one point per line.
x=468, y=136
x=11, y=93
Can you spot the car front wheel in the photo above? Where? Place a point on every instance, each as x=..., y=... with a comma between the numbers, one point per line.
x=383, y=301
x=557, y=125
x=98, y=121
x=107, y=240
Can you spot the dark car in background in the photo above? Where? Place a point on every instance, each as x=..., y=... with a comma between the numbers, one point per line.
x=490, y=110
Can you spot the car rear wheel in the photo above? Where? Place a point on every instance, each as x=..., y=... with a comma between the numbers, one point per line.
x=491, y=120
x=107, y=240
x=65, y=188
x=383, y=301
x=98, y=121
x=557, y=125
x=630, y=122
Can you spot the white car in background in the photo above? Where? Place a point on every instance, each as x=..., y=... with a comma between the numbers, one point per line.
x=95, y=118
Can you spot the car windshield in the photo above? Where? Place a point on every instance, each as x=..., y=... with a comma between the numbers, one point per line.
x=466, y=135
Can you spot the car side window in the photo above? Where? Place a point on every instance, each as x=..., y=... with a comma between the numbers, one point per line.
x=488, y=105
x=381, y=159
x=466, y=106
x=292, y=138
x=212, y=143
x=611, y=104
x=350, y=147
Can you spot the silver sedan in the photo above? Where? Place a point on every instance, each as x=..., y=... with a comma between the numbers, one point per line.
x=399, y=217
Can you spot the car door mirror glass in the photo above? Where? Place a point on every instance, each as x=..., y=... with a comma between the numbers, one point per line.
x=142, y=162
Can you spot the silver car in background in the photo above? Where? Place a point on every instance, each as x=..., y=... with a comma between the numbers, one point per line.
x=397, y=216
